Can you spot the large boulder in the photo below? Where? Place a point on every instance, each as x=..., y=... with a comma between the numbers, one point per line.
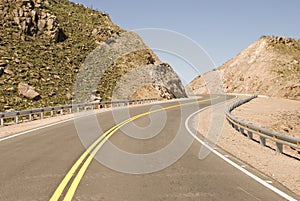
x=28, y=91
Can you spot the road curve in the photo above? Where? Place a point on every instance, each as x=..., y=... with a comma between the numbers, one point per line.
x=34, y=165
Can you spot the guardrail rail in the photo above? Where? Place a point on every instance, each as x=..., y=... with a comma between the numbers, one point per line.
x=72, y=108
x=279, y=138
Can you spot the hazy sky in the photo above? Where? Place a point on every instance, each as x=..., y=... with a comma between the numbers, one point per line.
x=221, y=28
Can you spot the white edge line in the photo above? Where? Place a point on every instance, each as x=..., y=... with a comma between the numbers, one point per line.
x=256, y=178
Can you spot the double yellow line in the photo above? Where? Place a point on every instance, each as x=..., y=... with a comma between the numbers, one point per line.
x=91, y=152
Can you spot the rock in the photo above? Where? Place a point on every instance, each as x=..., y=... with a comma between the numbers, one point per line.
x=17, y=20
x=69, y=96
x=95, y=32
x=56, y=77
x=28, y=91
x=3, y=64
x=7, y=108
x=41, y=25
x=51, y=23
x=10, y=89
x=285, y=128
x=9, y=72
x=95, y=98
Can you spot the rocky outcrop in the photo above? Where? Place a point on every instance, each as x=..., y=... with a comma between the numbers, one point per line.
x=158, y=81
x=32, y=18
x=281, y=40
x=122, y=65
x=270, y=66
x=103, y=33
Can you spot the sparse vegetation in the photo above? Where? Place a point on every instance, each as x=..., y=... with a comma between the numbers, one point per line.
x=49, y=66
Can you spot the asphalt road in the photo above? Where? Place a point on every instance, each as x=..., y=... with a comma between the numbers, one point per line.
x=32, y=166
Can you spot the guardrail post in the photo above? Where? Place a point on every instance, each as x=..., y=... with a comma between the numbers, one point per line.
x=51, y=113
x=61, y=111
x=1, y=122
x=77, y=109
x=16, y=119
x=42, y=115
x=30, y=117
x=279, y=147
x=232, y=124
x=242, y=130
x=262, y=141
x=250, y=135
x=236, y=127
x=70, y=110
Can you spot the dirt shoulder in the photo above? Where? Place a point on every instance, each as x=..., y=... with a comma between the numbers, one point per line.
x=29, y=125
x=12, y=129
x=265, y=112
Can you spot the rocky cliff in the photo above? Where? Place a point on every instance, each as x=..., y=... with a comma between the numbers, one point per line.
x=43, y=46
x=270, y=66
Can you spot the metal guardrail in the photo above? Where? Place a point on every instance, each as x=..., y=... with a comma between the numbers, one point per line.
x=279, y=138
x=15, y=115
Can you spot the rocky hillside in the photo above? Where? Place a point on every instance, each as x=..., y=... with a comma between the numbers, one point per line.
x=270, y=66
x=43, y=44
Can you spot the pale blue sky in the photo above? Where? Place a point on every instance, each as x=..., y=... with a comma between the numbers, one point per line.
x=221, y=28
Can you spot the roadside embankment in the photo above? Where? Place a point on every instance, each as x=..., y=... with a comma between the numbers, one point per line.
x=277, y=114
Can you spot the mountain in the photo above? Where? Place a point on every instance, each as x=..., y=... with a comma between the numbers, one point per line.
x=270, y=66
x=45, y=43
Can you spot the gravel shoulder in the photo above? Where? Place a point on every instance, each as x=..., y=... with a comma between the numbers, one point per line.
x=267, y=112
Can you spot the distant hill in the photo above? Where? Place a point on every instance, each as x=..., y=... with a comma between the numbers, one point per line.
x=270, y=66
x=43, y=44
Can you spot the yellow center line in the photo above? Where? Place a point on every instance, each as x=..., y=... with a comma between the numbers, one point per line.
x=93, y=149
x=83, y=169
x=71, y=172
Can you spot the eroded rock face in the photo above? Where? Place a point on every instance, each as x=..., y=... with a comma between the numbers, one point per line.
x=122, y=65
x=32, y=18
x=158, y=80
